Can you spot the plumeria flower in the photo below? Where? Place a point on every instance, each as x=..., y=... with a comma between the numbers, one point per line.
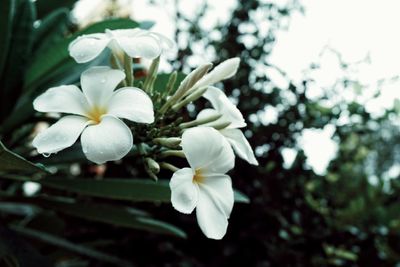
x=96, y=113
x=230, y=113
x=205, y=186
x=136, y=43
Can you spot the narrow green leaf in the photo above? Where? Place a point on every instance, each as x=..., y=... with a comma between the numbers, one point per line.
x=240, y=197
x=115, y=215
x=73, y=247
x=7, y=8
x=19, y=251
x=146, y=24
x=11, y=162
x=51, y=29
x=162, y=80
x=45, y=7
x=18, y=55
x=121, y=189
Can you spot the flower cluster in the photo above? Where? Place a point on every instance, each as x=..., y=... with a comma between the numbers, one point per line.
x=113, y=114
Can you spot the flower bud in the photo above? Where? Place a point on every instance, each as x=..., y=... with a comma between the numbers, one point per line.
x=190, y=98
x=169, y=153
x=171, y=142
x=201, y=121
x=152, y=168
x=223, y=71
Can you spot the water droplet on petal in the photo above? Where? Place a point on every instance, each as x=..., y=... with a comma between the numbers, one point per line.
x=103, y=80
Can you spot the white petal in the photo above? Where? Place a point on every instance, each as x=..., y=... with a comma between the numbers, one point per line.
x=223, y=105
x=60, y=135
x=184, y=193
x=165, y=42
x=133, y=104
x=98, y=84
x=87, y=47
x=240, y=144
x=206, y=149
x=64, y=99
x=109, y=140
x=145, y=46
x=215, y=205
x=223, y=71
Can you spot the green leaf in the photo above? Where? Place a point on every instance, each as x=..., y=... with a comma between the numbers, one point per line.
x=240, y=197
x=45, y=7
x=51, y=29
x=120, y=189
x=115, y=215
x=73, y=247
x=15, y=250
x=11, y=162
x=7, y=8
x=18, y=55
x=146, y=24
x=162, y=80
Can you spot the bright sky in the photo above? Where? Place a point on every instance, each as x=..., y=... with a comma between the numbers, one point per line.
x=357, y=29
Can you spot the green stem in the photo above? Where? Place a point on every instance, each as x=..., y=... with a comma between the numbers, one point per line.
x=115, y=60
x=128, y=70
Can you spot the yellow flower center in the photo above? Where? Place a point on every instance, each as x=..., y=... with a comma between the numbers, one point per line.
x=95, y=113
x=198, y=176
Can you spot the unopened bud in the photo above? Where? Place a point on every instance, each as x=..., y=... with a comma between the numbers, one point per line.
x=220, y=125
x=152, y=75
x=191, y=80
x=174, y=153
x=190, y=98
x=171, y=142
x=152, y=168
x=201, y=121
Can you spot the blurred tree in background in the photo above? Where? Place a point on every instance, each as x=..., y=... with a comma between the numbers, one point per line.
x=299, y=218
x=347, y=217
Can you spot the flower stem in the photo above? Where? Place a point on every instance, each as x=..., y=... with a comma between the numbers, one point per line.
x=115, y=61
x=128, y=70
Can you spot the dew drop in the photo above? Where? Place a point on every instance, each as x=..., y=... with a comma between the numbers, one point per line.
x=103, y=80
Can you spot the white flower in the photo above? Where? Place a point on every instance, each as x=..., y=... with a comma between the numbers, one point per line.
x=134, y=42
x=204, y=185
x=96, y=111
x=221, y=105
x=230, y=113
